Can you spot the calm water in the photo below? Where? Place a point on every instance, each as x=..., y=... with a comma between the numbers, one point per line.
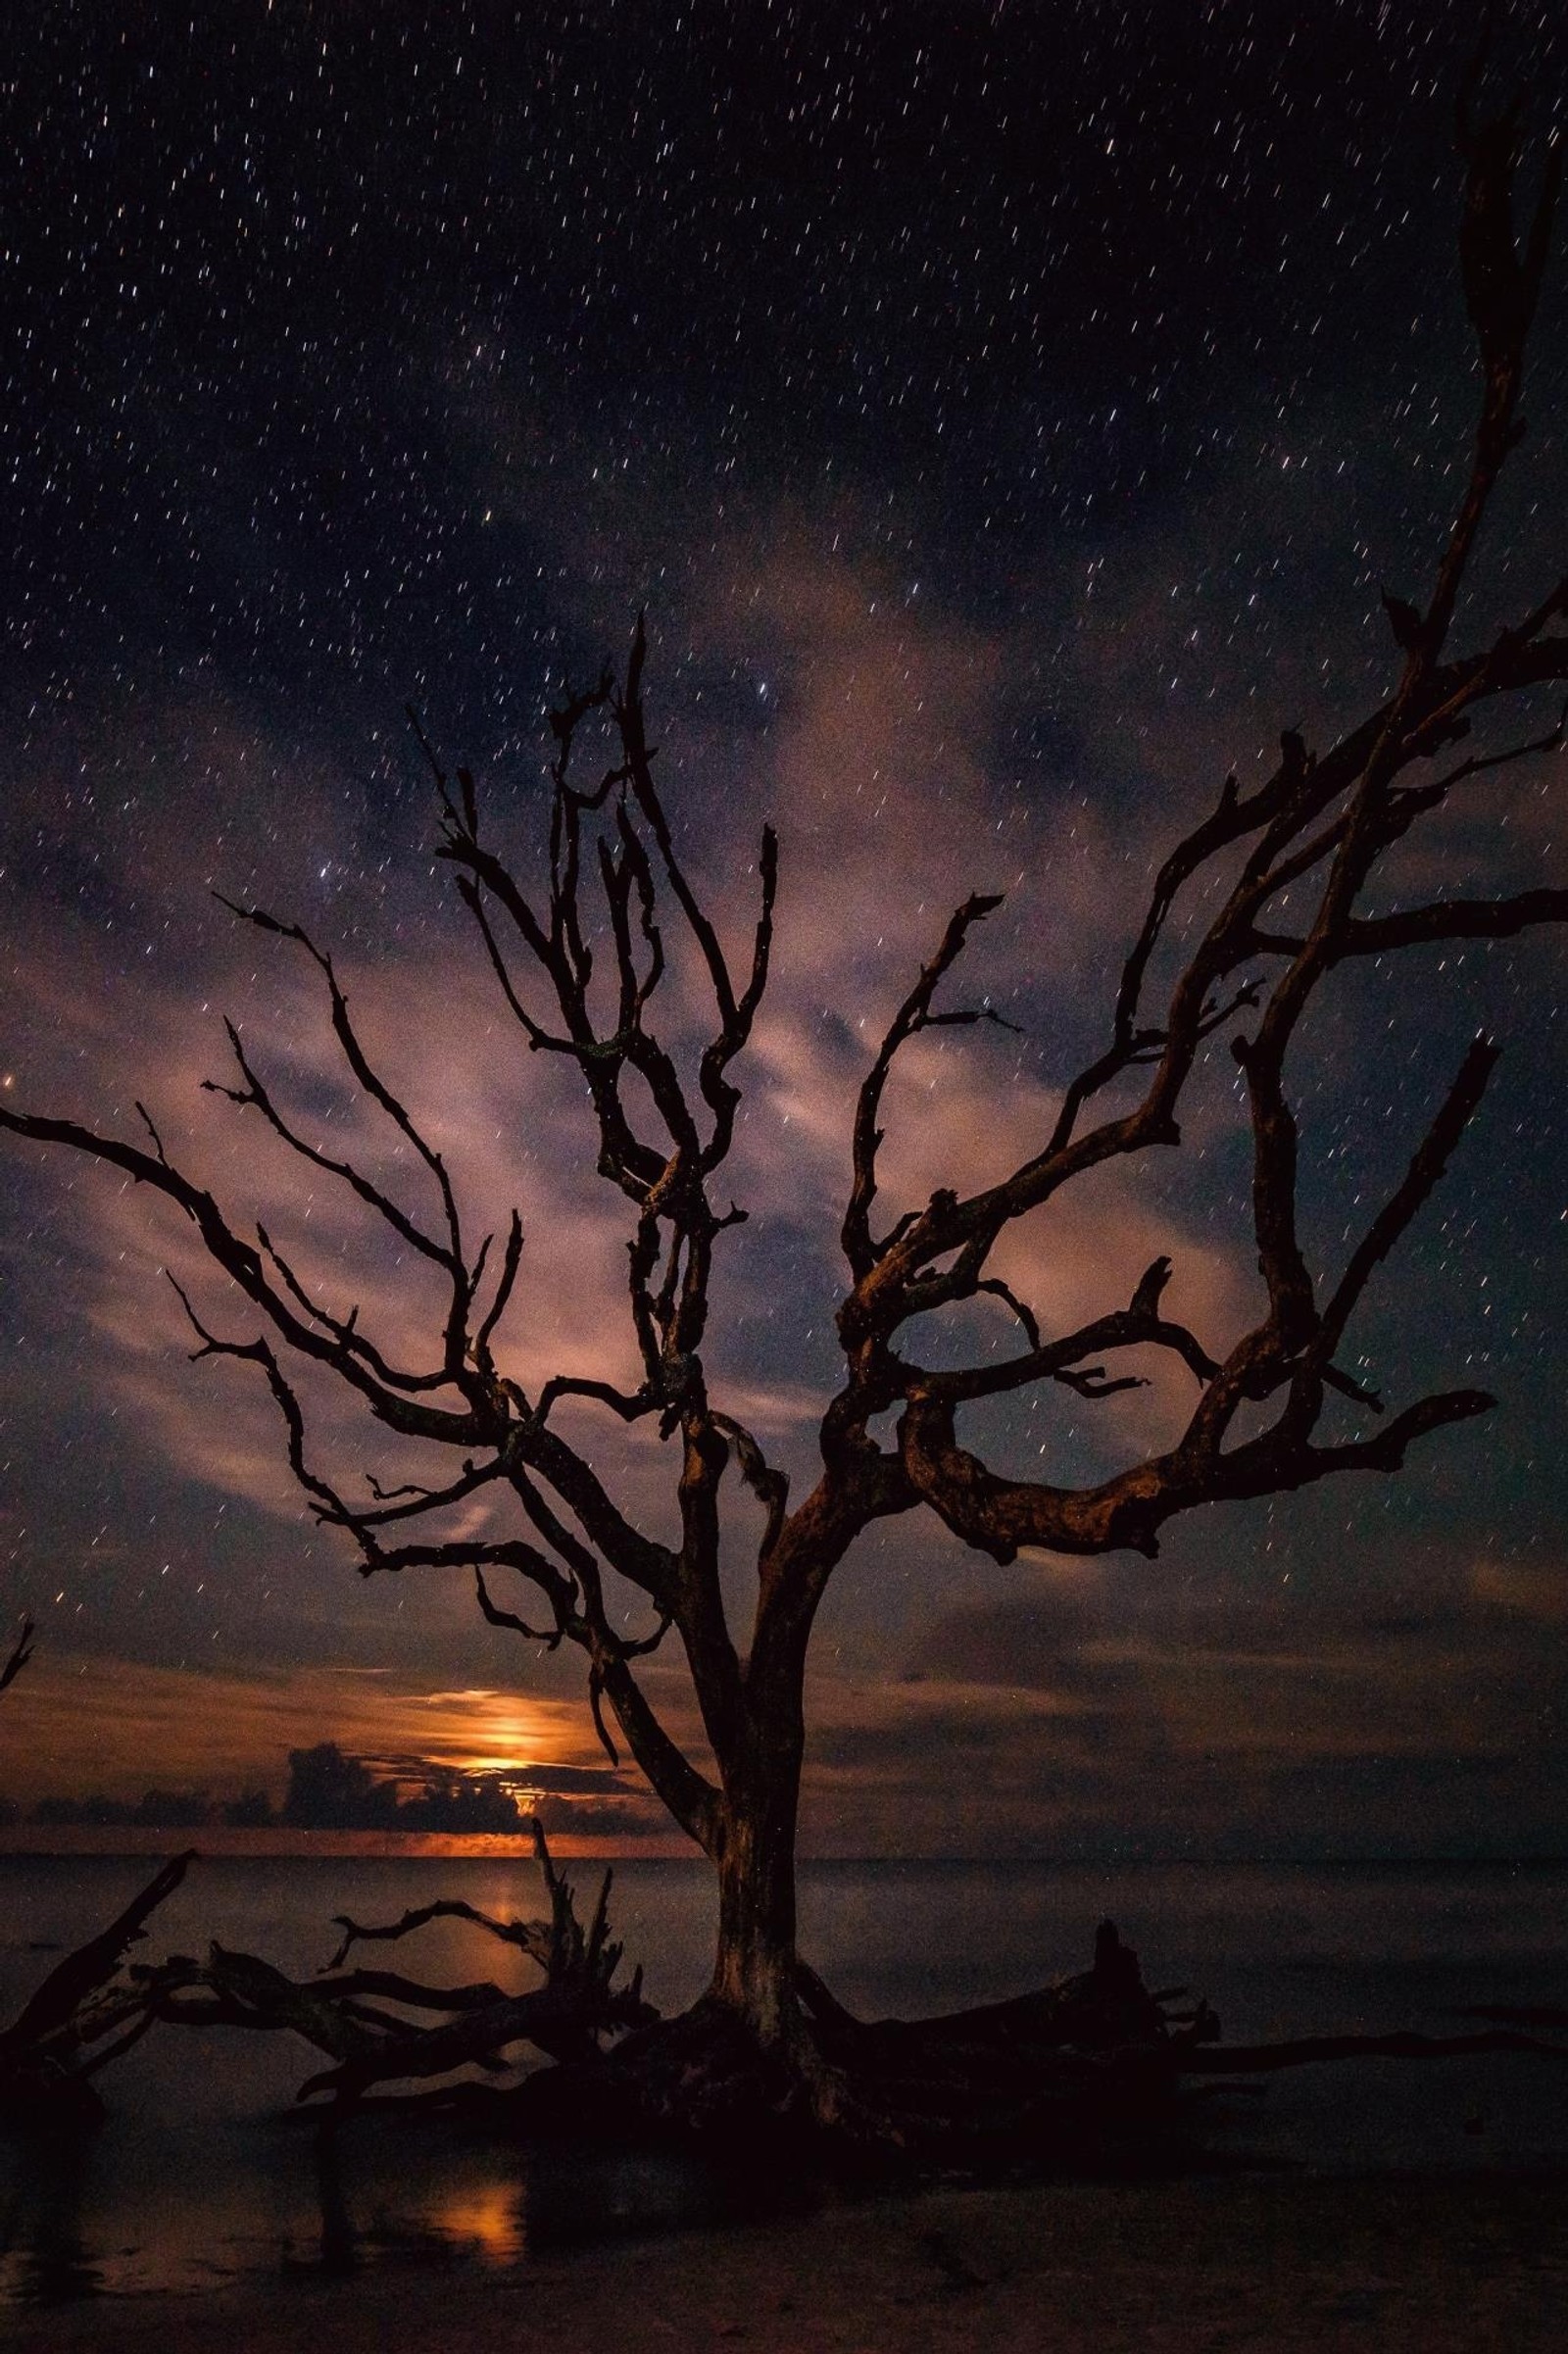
x=195, y=2179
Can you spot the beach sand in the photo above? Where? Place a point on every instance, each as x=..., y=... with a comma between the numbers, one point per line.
x=1446, y=2265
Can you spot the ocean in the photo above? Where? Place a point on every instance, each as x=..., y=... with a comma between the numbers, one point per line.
x=197, y=2176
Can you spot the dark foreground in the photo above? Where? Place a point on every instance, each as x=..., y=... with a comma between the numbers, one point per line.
x=1444, y=2265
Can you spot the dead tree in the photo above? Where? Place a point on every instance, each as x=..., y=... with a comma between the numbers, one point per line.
x=1281, y=887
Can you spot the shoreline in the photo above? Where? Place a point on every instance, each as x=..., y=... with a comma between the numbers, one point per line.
x=1408, y=2264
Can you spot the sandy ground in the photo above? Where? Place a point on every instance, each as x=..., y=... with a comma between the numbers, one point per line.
x=1449, y=2266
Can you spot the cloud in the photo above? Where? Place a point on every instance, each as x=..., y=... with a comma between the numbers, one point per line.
x=1033, y=1644
x=631, y=1816
x=881, y=768
x=887, y=747
x=565, y=1781
x=74, y=1723
x=1098, y=1713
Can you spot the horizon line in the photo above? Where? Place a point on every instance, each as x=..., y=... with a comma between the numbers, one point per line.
x=22, y=1842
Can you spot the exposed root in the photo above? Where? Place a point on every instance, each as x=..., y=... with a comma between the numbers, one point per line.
x=1095, y=2070
x=1062, y=2074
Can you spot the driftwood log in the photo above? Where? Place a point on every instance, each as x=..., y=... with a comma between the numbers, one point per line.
x=357, y=2016
x=85, y=2014
x=1093, y=2068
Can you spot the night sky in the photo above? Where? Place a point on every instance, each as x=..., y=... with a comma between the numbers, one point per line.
x=1007, y=415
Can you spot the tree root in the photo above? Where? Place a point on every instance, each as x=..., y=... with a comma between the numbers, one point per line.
x=1264, y=2059
x=1068, y=2072
x=1093, y=2071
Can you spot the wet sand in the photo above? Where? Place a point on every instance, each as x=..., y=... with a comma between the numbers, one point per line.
x=1442, y=2265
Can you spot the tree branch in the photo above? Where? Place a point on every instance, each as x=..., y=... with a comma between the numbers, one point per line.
x=912, y=1016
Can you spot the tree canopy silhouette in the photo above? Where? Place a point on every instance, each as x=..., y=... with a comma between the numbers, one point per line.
x=1278, y=889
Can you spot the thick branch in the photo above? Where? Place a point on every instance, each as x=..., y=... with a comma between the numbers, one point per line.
x=1454, y=919
x=1003, y=1517
x=70, y=1983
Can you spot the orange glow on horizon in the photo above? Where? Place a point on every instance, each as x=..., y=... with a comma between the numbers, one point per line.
x=219, y=1839
x=221, y=1733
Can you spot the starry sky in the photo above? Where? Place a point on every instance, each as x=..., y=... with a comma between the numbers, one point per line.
x=1007, y=415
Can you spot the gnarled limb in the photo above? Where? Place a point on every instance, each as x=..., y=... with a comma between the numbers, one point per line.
x=1319, y=827
x=342, y=2014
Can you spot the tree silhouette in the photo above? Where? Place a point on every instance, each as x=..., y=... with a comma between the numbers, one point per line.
x=1276, y=883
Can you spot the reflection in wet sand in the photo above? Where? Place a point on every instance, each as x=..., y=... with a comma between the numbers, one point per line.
x=359, y=2215
x=486, y=2219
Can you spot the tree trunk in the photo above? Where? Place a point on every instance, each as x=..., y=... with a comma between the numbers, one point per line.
x=754, y=1967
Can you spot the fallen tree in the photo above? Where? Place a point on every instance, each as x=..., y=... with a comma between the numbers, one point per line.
x=1279, y=890
x=88, y=2011
x=346, y=2015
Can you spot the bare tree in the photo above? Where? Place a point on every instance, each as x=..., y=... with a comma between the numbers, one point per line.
x=1281, y=877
